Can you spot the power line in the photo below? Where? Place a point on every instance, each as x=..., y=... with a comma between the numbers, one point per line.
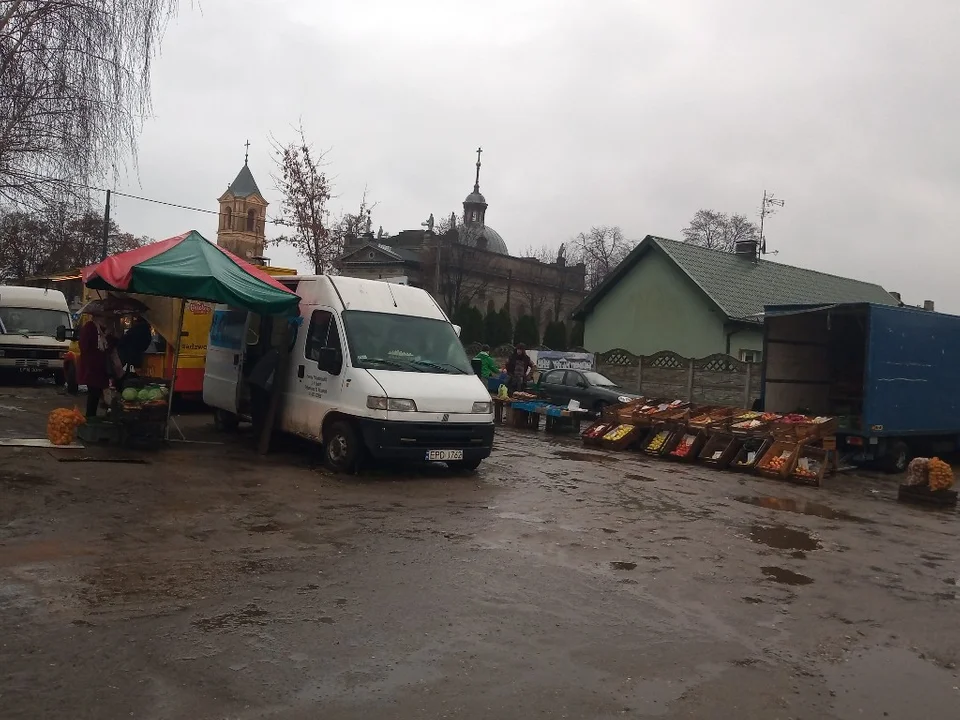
x=165, y=203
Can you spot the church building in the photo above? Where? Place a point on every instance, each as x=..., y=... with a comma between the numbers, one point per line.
x=467, y=262
x=243, y=212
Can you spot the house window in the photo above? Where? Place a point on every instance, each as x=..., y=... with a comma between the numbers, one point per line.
x=751, y=356
x=251, y=220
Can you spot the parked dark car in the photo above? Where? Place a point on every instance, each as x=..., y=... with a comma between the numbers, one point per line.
x=591, y=389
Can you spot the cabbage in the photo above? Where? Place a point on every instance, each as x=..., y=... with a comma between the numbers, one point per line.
x=129, y=394
x=143, y=395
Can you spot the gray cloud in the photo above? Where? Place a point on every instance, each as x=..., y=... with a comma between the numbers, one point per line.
x=615, y=112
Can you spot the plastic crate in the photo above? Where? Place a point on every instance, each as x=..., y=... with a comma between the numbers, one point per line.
x=720, y=450
x=750, y=452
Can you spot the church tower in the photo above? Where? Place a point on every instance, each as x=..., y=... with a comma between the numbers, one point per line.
x=475, y=204
x=243, y=213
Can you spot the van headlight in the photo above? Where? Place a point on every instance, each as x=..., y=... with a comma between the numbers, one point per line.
x=624, y=399
x=378, y=402
x=483, y=406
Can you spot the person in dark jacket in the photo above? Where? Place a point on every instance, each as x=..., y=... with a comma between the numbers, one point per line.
x=94, y=368
x=261, y=382
x=134, y=343
x=519, y=367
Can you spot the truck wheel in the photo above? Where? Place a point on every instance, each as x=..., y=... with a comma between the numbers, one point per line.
x=897, y=457
x=465, y=465
x=71, y=376
x=225, y=421
x=342, y=447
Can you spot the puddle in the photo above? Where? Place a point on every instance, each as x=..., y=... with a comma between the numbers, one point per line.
x=621, y=565
x=781, y=537
x=584, y=457
x=785, y=577
x=641, y=478
x=891, y=683
x=249, y=615
x=801, y=507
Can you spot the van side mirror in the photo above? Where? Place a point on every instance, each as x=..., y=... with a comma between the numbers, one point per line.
x=330, y=360
x=61, y=333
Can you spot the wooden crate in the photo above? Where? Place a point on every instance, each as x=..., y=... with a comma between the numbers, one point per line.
x=655, y=431
x=804, y=431
x=699, y=439
x=810, y=465
x=778, y=449
x=624, y=442
x=758, y=446
x=593, y=435
x=923, y=495
x=761, y=430
x=710, y=417
x=720, y=450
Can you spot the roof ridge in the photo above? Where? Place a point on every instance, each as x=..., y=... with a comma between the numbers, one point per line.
x=698, y=248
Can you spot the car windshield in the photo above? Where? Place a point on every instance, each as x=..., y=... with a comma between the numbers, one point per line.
x=32, y=321
x=406, y=343
x=595, y=378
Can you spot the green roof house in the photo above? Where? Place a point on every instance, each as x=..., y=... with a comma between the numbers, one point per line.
x=669, y=295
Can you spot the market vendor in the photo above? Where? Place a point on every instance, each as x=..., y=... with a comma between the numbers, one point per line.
x=134, y=343
x=96, y=361
x=519, y=369
x=488, y=366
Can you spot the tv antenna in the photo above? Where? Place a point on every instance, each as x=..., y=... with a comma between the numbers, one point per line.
x=769, y=206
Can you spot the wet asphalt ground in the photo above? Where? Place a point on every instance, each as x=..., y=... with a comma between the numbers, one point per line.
x=559, y=582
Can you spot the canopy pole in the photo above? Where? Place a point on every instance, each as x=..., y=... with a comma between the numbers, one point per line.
x=176, y=364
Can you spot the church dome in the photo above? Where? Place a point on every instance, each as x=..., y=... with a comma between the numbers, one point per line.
x=483, y=237
x=475, y=198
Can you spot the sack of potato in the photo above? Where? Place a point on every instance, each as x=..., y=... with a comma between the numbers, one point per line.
x=940, y=474
x=917, y=471
x=62, y=425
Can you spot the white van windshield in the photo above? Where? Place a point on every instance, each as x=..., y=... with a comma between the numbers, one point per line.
x=383, y=341
x=32, y=321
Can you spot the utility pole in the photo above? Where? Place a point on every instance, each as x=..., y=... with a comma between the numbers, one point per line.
x=106, y=229
x=767, y=207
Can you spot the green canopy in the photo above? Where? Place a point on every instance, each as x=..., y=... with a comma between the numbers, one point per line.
x=188, y=266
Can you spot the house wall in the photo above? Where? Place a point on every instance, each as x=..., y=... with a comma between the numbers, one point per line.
x=657, y=307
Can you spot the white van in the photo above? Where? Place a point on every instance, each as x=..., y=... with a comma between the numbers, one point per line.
x=29, y=318
x=375, y=368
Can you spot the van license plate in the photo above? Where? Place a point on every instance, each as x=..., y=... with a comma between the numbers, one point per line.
x=433, y=455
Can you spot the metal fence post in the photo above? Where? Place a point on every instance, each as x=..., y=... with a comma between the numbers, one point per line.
x=690, y=382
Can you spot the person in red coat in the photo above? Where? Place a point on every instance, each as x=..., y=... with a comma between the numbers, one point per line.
x=95, y=362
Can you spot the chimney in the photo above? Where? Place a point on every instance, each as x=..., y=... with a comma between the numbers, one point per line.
x=747, y=248
x=896, y=296
x=928, y=305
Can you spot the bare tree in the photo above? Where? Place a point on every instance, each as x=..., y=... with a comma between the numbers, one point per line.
x=718, y=231
x=601, y=249
x=305, y=207
x=74, y=89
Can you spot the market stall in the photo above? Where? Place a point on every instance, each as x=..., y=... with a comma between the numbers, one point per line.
x=185, y=268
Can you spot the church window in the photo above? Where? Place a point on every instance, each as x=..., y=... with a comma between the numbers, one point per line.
x=227, y=219
x=251, y=220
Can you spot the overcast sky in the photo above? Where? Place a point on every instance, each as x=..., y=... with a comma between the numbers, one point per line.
x=621, y=112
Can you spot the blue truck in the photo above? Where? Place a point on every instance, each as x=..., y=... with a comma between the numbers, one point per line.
x=890, y=374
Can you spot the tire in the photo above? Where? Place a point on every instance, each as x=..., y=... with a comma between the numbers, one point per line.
x=465, y=465
x=225, y=421
x=342, y=448
x=71, y=377
x=896, y=458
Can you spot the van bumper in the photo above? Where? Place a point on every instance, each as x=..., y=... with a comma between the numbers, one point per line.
x=390, y=440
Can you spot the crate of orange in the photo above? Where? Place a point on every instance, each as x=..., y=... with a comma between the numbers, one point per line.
x=810, y=465
x=779, y=460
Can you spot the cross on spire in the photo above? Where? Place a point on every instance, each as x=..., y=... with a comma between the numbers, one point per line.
x=246, y=155
x=476, y=183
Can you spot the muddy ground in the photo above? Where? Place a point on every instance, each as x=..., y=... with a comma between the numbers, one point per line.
x=557, y=582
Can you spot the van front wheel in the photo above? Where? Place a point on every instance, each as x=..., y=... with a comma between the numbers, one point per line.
x=342, y=447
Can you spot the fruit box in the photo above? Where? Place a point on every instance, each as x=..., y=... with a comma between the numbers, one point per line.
x=593, y=435
x=751, y=450
x=695, y=440
x=759, y=430
x=624, y=441
x=779, y=459
x=720, y=450
x=799, y=431
x=922, y=494
x=810, y=465
x=659, y=439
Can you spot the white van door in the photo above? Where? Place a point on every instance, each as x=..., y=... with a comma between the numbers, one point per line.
x=224, y=365
x=311, y=392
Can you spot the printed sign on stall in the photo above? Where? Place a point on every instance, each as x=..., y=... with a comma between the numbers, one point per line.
x=553, y=359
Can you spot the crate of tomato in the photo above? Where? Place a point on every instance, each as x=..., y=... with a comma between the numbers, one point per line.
x=687, y=445
x=593, y=435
